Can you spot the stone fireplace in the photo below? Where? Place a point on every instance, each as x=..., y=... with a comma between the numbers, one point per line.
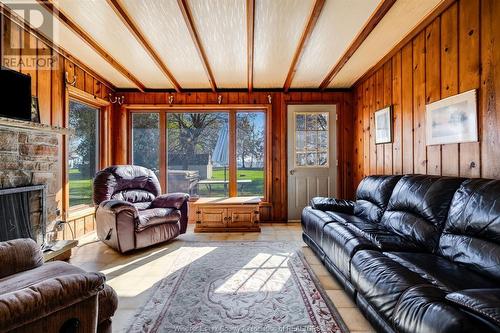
x=23, y=213
x=30, y=155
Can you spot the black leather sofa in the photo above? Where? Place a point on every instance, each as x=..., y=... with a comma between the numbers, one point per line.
x=417, y=253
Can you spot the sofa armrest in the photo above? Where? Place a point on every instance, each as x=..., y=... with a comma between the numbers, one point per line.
x=171, y=200
x=482, y=302
x=19, y=255
x=118, y=206
x=37, y=301
x=333, y=205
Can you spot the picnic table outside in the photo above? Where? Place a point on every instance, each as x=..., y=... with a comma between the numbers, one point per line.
x=209, y=182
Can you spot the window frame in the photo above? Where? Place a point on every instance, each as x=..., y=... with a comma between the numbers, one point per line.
x=305, y=113
x=232, y=110
x=74, y=94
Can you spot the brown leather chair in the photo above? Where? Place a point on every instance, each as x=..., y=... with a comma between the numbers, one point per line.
x=50, y=297
x=131, y=213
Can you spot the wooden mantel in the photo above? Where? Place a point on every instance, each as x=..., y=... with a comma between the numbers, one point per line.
x=32, y=126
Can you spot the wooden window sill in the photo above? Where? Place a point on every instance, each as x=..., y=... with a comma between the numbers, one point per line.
x=79, y=212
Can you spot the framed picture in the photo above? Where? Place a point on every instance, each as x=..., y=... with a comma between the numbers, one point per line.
x=35, y=112
x=383, y=125
x=452, y=120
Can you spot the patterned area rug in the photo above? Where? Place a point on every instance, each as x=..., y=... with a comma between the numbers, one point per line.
x=239, y=287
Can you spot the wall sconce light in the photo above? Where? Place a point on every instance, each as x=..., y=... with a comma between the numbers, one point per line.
x=219, y=99
x=116, y=99
x=269, y=98
x=171, y=99
x=66, y=79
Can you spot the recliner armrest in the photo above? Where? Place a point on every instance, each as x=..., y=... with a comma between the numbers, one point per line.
x=46, y=297
x=19, y=255
x=333, y=205
x=117, y=206
x=171, y=200
x=482, y=302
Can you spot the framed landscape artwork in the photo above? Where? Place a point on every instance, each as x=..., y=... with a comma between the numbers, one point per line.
x=452, y=120
x=383, y=125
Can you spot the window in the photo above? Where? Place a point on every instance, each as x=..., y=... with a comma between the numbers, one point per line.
x=83, y=160
x=250, y=148
x=311, y=139
x=146, y=140
x=206, y=153
x=198, y=153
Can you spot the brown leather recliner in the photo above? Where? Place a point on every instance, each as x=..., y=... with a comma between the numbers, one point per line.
x=131, y=213
x=49, y=297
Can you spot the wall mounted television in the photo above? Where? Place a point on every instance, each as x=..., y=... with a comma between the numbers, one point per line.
x=15, y=95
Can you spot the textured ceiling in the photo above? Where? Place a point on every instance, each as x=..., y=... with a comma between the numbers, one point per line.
x=221, y=28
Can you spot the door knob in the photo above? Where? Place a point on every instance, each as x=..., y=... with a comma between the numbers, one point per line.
x=292, y=172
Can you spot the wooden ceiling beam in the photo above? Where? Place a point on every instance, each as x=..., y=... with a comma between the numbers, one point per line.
x=372, y=22
x=188, y=18
x=250, y=41
x=14, y=17
x=311, y=23
x=121, y=12
x=49, y=6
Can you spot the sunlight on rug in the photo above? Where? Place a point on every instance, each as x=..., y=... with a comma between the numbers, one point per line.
x=257, y=287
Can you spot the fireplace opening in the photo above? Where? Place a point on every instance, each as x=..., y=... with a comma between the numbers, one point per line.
x=23, y=213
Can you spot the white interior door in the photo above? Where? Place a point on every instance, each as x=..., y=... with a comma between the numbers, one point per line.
x=312, y=155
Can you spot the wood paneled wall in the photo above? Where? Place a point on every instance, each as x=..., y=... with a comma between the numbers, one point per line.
x=456, y=52
x=278, y=195
x=48, y=84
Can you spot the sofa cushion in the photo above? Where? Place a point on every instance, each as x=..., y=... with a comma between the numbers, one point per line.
x=418, y=208
x=171, y=200
x=381, y=280
x=157, y=233
x=424, y=309
x=155, y=216
x=471, y=234
x=313, y=222
x=47, y=296
x=142, y=205
x=134, y=196
x=118, y=178
x=27, y=278
x=382, y=238
x=372, y=196
x=440, y=272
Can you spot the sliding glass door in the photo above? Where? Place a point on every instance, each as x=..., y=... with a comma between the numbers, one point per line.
x=250, y=153
x=206, y=153
x=198, y=153
x=146, y=140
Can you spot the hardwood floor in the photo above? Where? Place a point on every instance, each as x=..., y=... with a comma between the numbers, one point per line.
x=133, y=275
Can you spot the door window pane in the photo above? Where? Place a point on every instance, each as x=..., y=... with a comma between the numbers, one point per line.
x=311, y=139
x=198, y=153
x=83, y=158
x=146, y=141
x=250, y=131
